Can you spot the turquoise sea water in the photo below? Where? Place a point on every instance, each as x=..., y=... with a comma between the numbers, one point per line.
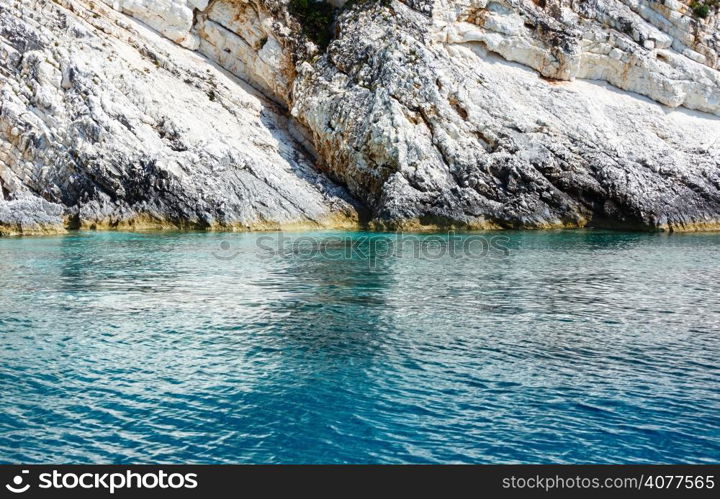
x=534, y=347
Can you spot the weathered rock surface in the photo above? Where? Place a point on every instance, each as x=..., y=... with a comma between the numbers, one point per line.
x=105, y=124
x=464, y=113
x=439, y=129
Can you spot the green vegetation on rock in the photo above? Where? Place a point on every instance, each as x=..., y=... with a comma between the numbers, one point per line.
x=702, y=9
x=316, y=18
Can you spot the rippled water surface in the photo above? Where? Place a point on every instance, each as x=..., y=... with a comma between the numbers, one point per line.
x=206, y=348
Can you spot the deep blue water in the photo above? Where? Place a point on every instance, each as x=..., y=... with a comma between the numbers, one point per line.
x=569, y=347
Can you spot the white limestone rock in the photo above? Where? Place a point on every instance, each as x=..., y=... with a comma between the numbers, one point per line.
x=464, y=113
x=442, y=130
x=104, y=123
x=612, y=41
x=173, y=18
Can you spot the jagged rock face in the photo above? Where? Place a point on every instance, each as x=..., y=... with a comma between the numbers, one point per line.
x=103, y=123
x=618, y=41
x=430, y=127
x=464, y=113
x=174, y=19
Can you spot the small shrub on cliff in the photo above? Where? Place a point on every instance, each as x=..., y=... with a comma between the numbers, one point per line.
x=352, y=3
x=701, y=10
x=316, y=17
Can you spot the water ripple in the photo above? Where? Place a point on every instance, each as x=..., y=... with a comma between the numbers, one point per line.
x=576, y=347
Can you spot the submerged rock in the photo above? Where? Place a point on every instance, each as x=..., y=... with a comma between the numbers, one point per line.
x=444, y=113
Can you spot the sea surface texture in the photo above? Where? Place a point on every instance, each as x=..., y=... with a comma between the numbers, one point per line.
x=347, y=347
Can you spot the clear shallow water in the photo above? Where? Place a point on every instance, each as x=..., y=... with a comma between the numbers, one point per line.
x=574, y=347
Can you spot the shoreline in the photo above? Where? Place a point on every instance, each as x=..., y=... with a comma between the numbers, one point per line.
x=10, y=231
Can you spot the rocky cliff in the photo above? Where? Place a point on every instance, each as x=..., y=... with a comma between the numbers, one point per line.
x=419, y=114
